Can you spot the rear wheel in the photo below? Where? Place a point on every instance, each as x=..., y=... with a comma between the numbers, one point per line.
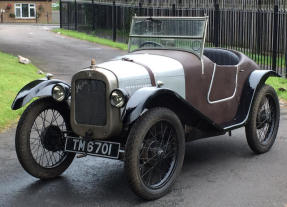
x=40, y=139
x=154, y=153
x=262, y=127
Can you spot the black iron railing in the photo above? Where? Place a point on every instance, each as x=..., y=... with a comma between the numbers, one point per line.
x=256, y=27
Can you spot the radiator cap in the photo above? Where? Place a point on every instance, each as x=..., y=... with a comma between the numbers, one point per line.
x=93, y=64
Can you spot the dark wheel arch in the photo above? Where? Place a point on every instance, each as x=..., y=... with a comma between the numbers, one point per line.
x=151, y=97
x=38, y=88
x=252, y=85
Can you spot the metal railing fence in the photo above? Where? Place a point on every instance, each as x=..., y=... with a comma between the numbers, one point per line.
x=258, y=28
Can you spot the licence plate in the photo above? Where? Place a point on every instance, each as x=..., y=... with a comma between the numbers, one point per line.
x=96, y=148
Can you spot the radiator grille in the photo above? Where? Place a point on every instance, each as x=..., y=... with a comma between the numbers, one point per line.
x=90, y=102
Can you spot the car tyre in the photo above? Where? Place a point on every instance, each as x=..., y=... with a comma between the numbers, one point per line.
x=156, y=143
x=31, y=136
x=262, y=126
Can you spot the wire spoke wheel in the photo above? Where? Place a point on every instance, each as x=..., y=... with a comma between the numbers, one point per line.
x=262, y=126
x=158, y=155
x=154, y=153
x=40, y=138
x=47, y=138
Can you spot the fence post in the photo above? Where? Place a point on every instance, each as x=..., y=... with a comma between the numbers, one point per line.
x=60, y=14
x=275, y=36
x=140, y=9
x=114, y=24
x=69, y=8
x=94, y=15
x=286, y=57
x=258, y=28
x=173, y=10
x=76, y=15
x=286, y=61
x=285, y=16
x=216, y=24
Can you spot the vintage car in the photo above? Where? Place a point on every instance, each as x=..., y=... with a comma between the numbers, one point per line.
x=143, y=107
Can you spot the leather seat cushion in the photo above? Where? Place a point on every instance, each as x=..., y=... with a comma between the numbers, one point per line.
x=221, y=56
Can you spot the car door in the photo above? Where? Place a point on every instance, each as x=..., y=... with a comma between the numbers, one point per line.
x=213, y=90
x=223, y=84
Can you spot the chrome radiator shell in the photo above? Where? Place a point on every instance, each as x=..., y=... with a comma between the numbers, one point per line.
x=113, y=122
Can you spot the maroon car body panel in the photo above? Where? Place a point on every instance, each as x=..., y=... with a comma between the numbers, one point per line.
x=198, y=79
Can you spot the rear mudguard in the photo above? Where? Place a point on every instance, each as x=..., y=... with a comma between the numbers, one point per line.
x=149, y=97
x=256, y=79
x=37, y=88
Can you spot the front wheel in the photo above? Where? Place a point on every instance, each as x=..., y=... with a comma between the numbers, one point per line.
x=262, y=126
x=154, y=153
x=40, y=139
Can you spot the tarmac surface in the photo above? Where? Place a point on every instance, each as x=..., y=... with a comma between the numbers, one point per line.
x=53, y=53
x=218, y=172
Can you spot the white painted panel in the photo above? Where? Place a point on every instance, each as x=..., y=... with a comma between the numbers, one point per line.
x=132, y=76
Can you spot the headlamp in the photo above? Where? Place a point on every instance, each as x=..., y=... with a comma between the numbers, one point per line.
x=118, y=98
x=58, y=93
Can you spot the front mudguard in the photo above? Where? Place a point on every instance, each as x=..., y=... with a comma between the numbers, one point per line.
x=38, y=88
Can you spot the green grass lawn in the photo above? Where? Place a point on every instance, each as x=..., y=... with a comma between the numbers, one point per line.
x=13, y=76
x=91, y=38
x=279, y=83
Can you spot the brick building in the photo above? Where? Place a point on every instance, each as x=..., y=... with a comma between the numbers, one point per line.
x=25, y=11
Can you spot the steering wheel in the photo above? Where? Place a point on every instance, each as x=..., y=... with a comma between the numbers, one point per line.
x=155, y=44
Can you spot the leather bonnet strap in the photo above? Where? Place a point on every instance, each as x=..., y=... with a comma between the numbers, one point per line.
x=151, y=75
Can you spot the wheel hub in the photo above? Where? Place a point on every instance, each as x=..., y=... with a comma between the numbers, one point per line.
x=160, y=152
x=52, y=138
x=263, y=118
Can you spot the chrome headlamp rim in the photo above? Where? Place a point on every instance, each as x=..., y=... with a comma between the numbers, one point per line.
x=120, y=96
x=58, y=93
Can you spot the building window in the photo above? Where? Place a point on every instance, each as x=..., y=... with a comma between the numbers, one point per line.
x=25, y=11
